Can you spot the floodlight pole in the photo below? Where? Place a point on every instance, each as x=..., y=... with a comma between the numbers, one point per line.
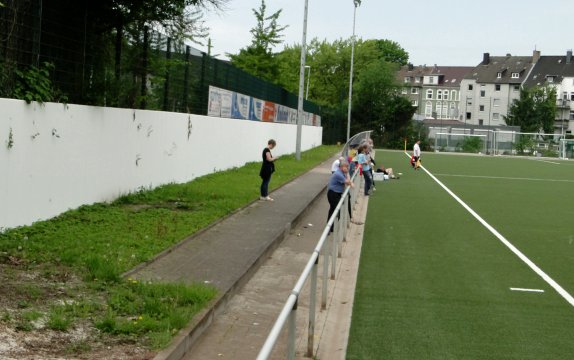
x=356, y=3
x=301, y=84
x=308, y=67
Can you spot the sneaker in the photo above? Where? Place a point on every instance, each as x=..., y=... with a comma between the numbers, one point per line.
x=268, y=198
x=262, y=198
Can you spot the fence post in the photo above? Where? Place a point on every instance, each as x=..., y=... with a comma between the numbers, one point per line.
x=143, y=74
x=292, y=324
x=312, y=306
x=186, y=80
x=334, y=243
x=203, y=91
x=325, y=279
x=166, y=84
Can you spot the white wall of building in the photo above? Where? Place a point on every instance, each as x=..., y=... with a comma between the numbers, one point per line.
x=61, y=157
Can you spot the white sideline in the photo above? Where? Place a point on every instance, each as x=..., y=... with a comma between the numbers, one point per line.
x=527, y=290
x=512, y=248
x=546, y=161
x=507, y=178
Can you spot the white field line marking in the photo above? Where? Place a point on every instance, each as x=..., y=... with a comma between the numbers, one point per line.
x=546, y=161
x=509, y=245
x=527, y=290
x=506, y=178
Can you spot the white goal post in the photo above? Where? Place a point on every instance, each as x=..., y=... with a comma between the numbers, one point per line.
x=453, y=142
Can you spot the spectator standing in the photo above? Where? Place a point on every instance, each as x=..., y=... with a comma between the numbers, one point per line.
x=365, y=163
x=335, y=165
x=267, y=169
x=337, y=183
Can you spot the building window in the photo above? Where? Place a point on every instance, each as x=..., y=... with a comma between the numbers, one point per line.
x=481, y=107
x=571, y=114
x=498, y=75
x=428, y=109
x=495, y=116
x=431, y=79
x=453, y=95
x=429, y=94
x=415, y=103
x=404, y=91
x=417, y=79
x=496, y=102
x=445, y=111
x=470, y=87
x=468, y=116
x=515, y=75
x=497, y=87
x=482, y=93
x=407, y=79
x=439, y=94
x=480, y=122
x=414, y=90
x=516, y=88
x=445, y=95
x=550, y=79
x=572, y=96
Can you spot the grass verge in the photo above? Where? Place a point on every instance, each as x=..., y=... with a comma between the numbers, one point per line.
x=77, y=258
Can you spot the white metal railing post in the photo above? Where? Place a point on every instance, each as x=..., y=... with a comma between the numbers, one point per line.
x=325, y=280
x=312, y=307
x=292, y=324
x=341, y=231
x=334, y=243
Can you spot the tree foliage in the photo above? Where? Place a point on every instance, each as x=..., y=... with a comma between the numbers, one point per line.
x=535, y=110
x=258, y=58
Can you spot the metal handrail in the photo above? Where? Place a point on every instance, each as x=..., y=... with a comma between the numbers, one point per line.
x=288, y=313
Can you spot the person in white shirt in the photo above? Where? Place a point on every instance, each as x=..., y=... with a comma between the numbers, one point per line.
x=336, y=163
x=416, y=154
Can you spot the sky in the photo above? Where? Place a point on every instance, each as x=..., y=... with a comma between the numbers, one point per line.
x=442, y=32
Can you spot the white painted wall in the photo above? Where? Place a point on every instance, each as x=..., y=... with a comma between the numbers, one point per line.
x=67, y=156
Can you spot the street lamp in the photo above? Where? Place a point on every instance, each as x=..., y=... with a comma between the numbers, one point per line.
x=356, y=3
x=301, y=84
x=308, y=77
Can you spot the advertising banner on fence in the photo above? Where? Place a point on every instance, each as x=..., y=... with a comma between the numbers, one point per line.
x=240, y=106
x=269, y=110
x=226, y=98
x=256, y=109
x=282, y=114
x=214, y=102
x=292, y=116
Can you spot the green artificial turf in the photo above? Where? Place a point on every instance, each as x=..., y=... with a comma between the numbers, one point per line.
x=434, y=283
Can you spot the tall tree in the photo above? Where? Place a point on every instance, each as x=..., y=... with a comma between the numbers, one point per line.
x=258, y=58
x=379, y=106
x=534, y=111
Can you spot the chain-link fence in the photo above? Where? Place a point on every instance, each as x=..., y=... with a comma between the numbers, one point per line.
x=131, y=66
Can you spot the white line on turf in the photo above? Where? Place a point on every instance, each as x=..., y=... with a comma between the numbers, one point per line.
x=546, y=161
x=508, y=244
x=527, y=290
x=507, y=178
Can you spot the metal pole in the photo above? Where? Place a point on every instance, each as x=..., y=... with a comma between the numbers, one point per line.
x=291, y=338
x=308, y=78
x=357, y=3
x=312, y=306
x=301, y=85
x=334, y=243
x=325, y=280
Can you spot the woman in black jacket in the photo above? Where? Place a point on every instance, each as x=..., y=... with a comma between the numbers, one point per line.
x=267, y=168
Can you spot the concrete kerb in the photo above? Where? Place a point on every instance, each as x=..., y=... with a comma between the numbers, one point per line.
x=187, y=337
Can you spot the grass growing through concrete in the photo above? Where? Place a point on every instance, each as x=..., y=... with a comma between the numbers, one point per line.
x=97, y=243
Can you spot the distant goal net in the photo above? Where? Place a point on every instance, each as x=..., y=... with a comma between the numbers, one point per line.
x=527, y=144
x=566, y=148
x=462, y=143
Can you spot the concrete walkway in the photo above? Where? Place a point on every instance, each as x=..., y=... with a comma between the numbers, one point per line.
x=227, y=254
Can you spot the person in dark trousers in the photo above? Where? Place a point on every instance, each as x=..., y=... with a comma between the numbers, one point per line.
x=267, y=168
x=337, y=183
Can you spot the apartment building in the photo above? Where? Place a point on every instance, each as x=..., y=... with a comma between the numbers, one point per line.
x=435, y=91
x=489, y=89
x=558, y=72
